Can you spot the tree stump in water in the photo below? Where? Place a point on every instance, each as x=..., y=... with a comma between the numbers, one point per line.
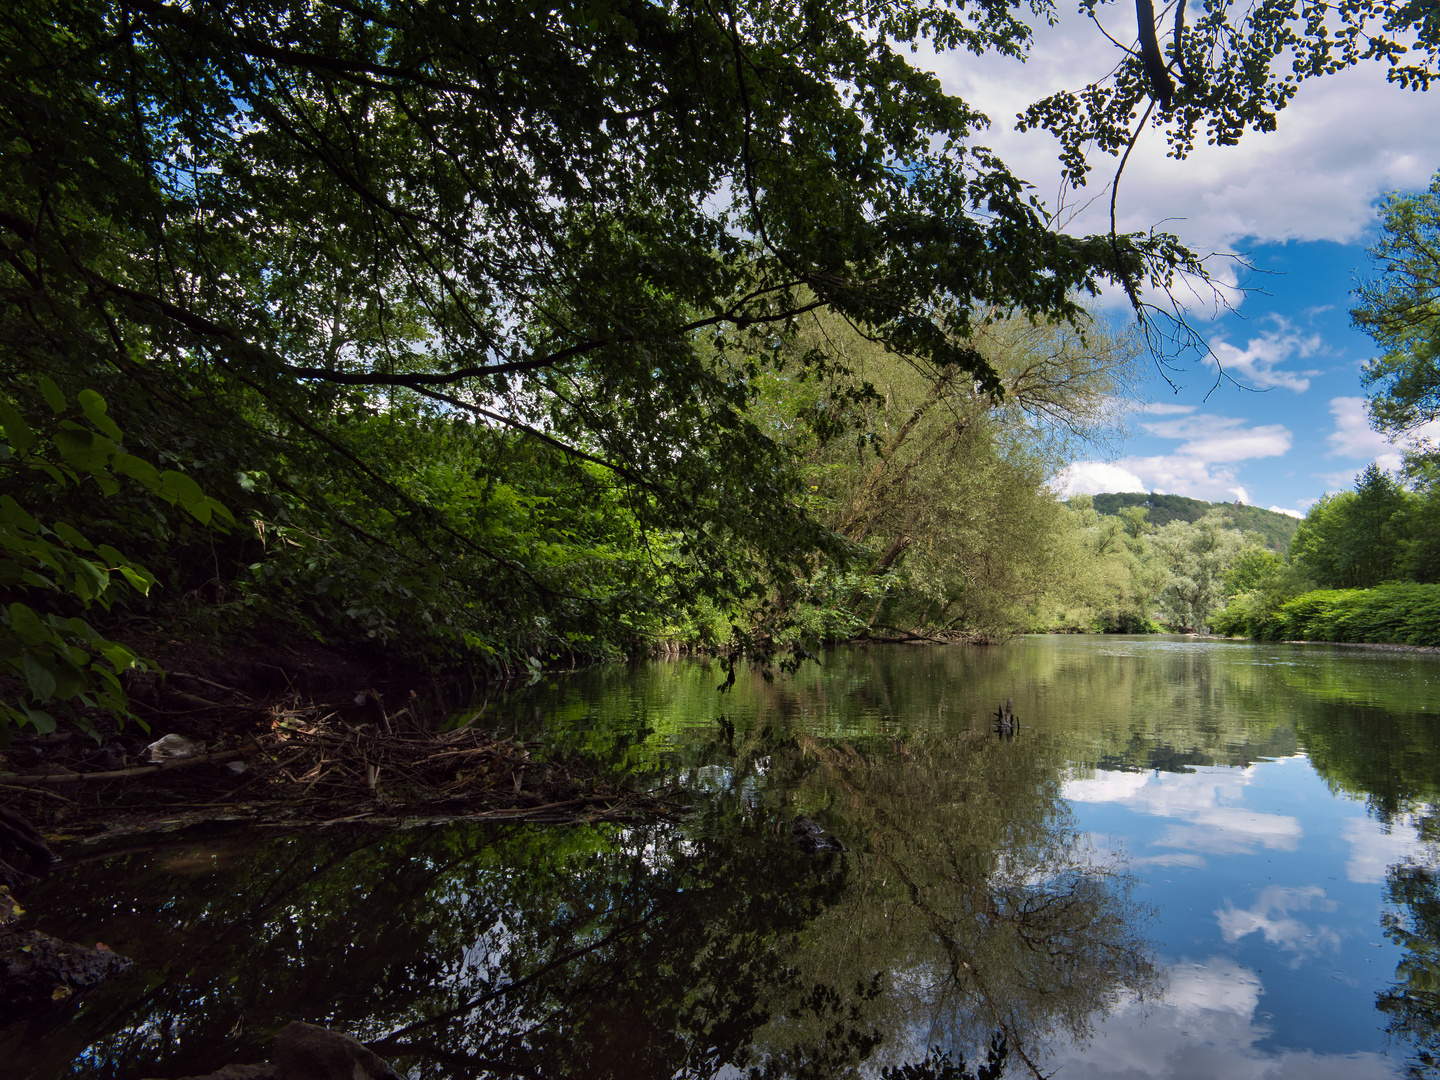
x=1005, y=722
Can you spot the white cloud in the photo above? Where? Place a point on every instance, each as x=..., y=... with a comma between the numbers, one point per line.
x=1212, y=439
x=1287, y=511
x=1161, y=408
x=1106, y=786
x=1258, y=364
x=1231, y=831
x=1353, y=436
x=1177, y=475
x=1095, y=477
x=1338, y=481
x=1201, y=801
x=1203, y=466
x=1170, y=861
x=1204, y=1025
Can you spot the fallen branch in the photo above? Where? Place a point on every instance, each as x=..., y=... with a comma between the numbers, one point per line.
x=19, y=780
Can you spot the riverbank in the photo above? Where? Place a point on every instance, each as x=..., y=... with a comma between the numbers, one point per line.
x=301, y=737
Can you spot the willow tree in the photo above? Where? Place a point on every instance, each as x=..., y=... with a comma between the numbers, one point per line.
x=943, y=481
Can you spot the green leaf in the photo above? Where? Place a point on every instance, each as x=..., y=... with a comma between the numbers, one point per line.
x=121, y=658
x=93, y=405
x=53, y=397
x=95, y=579
x=70, y=681
x=11, y=513
x=139, y=580
x=177, y=487
x=43, y=721
x=27, y=625
x=72, y=536
x=83, y=449
x=220, y=510
x=17, y=432
x=137, y=469
x=112, y=690
x=60, y=478
x=39, y=675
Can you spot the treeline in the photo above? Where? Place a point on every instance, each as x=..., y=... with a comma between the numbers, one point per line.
x=1128, y=576
x=398, y=526
x=1364, y=567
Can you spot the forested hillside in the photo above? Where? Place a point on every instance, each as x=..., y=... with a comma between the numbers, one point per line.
x=1277, y=529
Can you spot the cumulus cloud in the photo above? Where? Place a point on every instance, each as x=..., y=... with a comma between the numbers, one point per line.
x=1258, y=363
x=1287, y=511
x=1094, y=478
x=1203, y=466
x=1354, y=437
x=1342, y=142
x=1201, y=802
x=1203, y=1025
x=1230, y=831
x=1374, y=849
x=1211, y=439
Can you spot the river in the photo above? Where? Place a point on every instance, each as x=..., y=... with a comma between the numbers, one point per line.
x=1190, y=858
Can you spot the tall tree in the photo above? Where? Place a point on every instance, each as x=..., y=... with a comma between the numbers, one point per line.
x=1356, y=539
x=945, y=485
x=1400, y=309
x=1197, y=556
x=265, y=229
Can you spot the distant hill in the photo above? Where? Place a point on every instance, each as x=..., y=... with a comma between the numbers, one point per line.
x=1277, y=529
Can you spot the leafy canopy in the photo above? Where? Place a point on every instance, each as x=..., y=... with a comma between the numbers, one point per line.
x=586, y=223
x=1400, y=309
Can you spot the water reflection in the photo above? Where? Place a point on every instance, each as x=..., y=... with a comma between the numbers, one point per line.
x=995, y=900
x=966, y=906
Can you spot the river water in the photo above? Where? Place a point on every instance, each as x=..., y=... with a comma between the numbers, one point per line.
x=1191, y=858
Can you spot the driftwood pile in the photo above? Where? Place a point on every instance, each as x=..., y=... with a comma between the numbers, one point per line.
x=324, y=771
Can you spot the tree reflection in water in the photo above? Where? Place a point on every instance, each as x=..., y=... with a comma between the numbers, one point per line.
x=1412, y=1005
x=966, y=908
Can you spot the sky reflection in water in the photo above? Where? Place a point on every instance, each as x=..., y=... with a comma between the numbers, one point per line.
x=1266, y=886
x=1260, y=795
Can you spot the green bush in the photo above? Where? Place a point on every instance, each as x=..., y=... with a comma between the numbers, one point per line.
x=60, y=659
x=1399, y=613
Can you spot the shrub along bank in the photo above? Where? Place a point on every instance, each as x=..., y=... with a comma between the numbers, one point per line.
x=1399, y=613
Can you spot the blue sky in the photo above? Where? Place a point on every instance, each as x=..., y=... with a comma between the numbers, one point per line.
x=1288, y=423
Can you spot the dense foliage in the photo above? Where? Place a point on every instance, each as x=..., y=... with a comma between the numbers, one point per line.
x=464, y=316
x=940, y=485
x=1400, y=309
x=1127, y=576
x=1362, y=567
x=468, y=315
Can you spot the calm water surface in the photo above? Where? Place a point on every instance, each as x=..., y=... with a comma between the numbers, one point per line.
x=1193, y=859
